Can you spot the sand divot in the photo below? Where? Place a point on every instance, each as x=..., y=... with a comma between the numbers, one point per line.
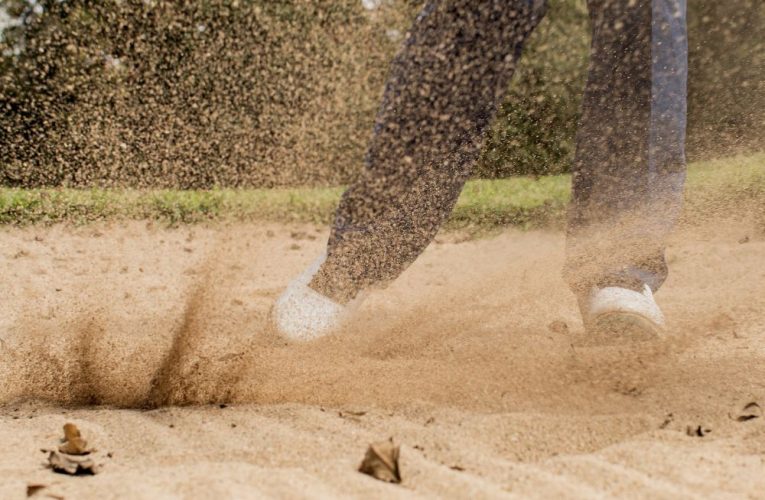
x=627, y=369
x=194, y=371
x=210, y=348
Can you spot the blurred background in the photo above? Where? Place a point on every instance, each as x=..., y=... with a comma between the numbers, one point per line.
x=263, y=93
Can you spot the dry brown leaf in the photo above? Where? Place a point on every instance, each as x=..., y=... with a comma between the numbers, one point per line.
x=73, y=456
x=74, y=465
x=73, y=443
x=381, y=462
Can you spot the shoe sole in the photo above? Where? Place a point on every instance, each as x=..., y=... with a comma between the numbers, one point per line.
x=624, y=327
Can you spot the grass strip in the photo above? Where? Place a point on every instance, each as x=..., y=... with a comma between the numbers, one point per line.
x=519, y=201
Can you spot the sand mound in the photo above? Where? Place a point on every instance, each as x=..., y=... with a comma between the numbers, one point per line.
x=455, y=360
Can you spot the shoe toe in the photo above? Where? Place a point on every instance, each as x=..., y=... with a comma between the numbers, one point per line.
x=302, y=314
x=624, y=327
x=617, y=315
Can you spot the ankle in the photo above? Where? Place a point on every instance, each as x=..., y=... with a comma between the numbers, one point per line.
x=333, y=287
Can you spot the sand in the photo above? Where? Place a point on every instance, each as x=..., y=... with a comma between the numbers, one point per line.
x=104, y=325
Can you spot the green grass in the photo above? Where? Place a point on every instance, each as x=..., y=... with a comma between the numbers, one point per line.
x=520, y=201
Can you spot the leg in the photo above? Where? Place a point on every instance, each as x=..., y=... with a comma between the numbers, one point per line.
x=443, y=91
x=629, y=169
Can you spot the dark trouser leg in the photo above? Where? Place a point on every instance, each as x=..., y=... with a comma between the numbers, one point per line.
x=443, y=91
x=630, y=163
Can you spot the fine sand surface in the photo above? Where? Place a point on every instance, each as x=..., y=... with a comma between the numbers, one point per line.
x=456, y=361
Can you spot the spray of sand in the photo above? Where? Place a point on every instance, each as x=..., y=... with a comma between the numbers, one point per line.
x=477, y=338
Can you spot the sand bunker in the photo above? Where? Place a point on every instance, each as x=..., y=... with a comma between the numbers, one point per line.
x=459, y=361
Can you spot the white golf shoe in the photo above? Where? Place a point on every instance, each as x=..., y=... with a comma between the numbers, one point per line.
x=303, y=314
x=621, y=314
